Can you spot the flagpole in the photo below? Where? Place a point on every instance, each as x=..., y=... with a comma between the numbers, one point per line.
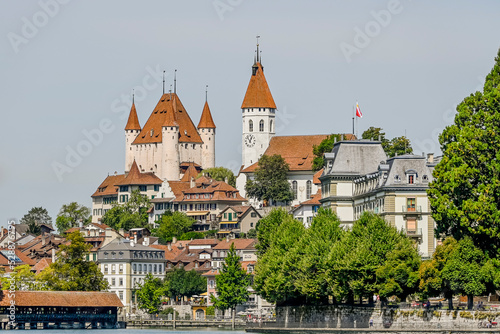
x=353, y=115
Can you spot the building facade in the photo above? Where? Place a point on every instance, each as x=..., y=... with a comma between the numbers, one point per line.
x=359, y=177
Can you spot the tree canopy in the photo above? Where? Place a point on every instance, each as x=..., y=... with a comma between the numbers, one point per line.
x=70, y=215
x=465, y=192
x=128, y=215
x=220, y=174
x=181, y=283
x=34, y=218
x=395, y=146
x=232, y=283
x=149, y=294
x=271, y=180
x=172, y=225
x=70, y=271
x=325, y=146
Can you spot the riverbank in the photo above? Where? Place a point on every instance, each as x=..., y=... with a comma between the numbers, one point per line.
x=270, y=330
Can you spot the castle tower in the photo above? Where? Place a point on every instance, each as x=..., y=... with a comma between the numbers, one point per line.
x=258, y=115
x=170, y=144
x=132, y=130
x=206, y=129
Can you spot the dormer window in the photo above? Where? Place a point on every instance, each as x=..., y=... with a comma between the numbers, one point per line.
x=425, y=178
x=397, y=178
x=411, y=179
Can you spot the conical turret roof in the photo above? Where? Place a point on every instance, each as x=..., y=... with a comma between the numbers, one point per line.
x=133, y=120
x=206, y=120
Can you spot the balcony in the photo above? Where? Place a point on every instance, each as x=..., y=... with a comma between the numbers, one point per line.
x=415, y=233
x=412, y=211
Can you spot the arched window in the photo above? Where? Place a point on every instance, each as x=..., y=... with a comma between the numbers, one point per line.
x=250, y=126
x=261, y=125
x=308, y=188
x=271, y=126
x=294, y=189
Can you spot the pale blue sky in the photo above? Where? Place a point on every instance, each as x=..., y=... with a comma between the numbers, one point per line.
x=70, y=73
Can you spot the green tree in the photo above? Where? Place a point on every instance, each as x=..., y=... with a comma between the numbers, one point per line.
x=70, y=272
x=465, y=192
x=23, y=279
x=267, y=228
x=398, y=146
x=277, y=267
x=34, y=218
x=431, y=282
x=149, y=294
x=271, y=180
x=70, y=214
x=398, y=276
x=231, y=284
x=252, y=233
x=129, y=215
x=325, y=146
x=377, y=134
x=318, y=239
x=466, y=270
x=174, y=225
x=181, y=283
x=220, y=174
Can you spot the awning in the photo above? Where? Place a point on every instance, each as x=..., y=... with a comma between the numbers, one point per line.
x=222, y=232
x=197, y=213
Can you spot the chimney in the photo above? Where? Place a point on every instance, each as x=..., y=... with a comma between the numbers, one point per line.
x=53, y=255
x=135, y=237
x=108, y=233
x=334, y=139
x=132, y=243
x=191, y=183
x=226, y=180
x=43, y=240
x=430, y=157
x=146, y=241
x=169, y=247
x=342, y=137
x=174, y=240
x=227, y=238
x=80, y=223
x=379, y=137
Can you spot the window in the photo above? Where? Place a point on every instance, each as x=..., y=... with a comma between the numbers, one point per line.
x=410, y=204
x=113, y=281
x=253, y=214
x=157, y=187
x=135, y=268
x=271, y=126
x=123, y=198
x=105, y=268
x=308, y=188
x=261, y=125
x=212, y=283
x=251, y=224
x=123, y=188
x=411, y=225
x=154, y=268
x=143, y=188
x=121, y=268
x=397, y=178
x=113, y=268
x=294, y=189
x=250, y=126
x=140, y=268
x=425, y=178
x=411, y=179
x=120, y=294
x=121, y=282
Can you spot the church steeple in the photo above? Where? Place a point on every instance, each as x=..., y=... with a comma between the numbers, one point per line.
x=258, y=94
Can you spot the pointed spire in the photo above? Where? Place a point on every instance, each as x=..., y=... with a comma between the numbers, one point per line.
x=175, y=81
x=133, y=120
x=163, y=82
x=206, y=93
x=258, y=54
x=206, y=120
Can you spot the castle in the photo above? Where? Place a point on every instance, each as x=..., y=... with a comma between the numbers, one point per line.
x=169, y=139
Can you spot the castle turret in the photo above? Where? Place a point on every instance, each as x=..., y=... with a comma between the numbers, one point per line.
x=132, y=129
x=170, y=143
x=206, y=129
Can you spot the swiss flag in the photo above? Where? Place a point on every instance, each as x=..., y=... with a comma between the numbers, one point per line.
x=358, y=111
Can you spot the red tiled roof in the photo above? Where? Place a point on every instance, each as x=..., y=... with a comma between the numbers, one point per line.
x=317, y=175
x=258, y=94
x=204, y=242
x=108, y=186
x=71, y=230
x=219, y=191
x=100, y=225
x=178, y=187
x=296, y=150
x=206, y=120
x=314, y=199
x=168, y=112
x=170, y=255
x=240, y=209
x=133, y=120
x=238, y=244
x=135, y=177
x=42, y=264
x=191, y=172
x=63, y=299
x=4, y=260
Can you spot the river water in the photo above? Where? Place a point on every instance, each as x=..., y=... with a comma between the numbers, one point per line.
x=135, y=331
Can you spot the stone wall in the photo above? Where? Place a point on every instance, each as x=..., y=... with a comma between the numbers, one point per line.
x=359, y=317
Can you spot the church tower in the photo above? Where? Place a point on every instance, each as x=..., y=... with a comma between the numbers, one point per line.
x=206, y=129
x=258, y=115
x=132, y=130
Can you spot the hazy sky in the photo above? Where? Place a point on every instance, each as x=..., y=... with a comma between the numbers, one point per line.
x=67, y=70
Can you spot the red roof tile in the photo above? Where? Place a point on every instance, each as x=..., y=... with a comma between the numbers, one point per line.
x=238, y=244
x=63, y=299
x=191, y=172
x=135, y=177
x=204, y=242
x=314, y=199
x=258, y=94
x=108, y=186
x=206, y=120
x=133, y=120
x=171, y=111
x=42, y=264
x=317, y=175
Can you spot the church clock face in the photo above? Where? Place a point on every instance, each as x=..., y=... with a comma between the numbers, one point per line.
x=249, y=140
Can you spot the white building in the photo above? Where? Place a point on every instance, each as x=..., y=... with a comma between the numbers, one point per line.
x=359, y=177
x=125, y=264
